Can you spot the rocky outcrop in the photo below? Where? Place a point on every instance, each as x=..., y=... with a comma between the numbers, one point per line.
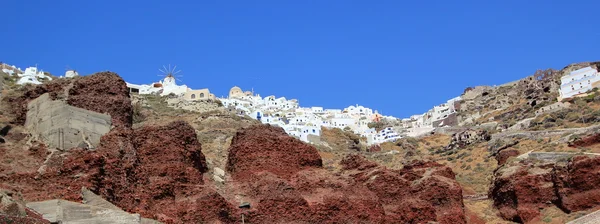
x=467, y=137
x=103, y=92
x=521, y=189
x=268, y=148
x=578, y=183
x=153, y=171
x=18, y=104
x=504, y=155
x=362, y=192
x=585, y=141
x=420, y=192
x=14, y=211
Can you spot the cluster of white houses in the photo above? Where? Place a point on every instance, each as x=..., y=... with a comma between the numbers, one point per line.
x=29, y=76
x=305, y=123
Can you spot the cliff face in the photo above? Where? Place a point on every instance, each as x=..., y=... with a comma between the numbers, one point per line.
x=361, y=192
x=521, y=189
x=158, y=168
x=264, y=148
x=156, y=171
x=103, y=92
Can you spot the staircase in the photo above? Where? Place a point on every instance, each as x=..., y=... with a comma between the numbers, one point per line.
x=95, y=210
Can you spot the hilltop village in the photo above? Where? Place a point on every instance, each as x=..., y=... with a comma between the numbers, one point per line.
x=99, y=140
x=306, y=123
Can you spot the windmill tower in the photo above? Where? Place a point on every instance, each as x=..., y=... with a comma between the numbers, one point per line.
x=170, y=75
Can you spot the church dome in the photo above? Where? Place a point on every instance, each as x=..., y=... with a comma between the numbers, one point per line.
x=235, y=88
x=235, y=92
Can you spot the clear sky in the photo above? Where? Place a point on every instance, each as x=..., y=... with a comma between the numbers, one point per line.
x=399, y=57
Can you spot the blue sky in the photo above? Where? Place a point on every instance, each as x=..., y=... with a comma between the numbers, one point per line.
x=398, y=57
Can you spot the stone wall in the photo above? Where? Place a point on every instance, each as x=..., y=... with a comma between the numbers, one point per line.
x=552, y=108
x=62, y=126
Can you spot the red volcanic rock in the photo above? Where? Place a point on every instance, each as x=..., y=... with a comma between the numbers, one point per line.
x=586, y=141
x=336, y=198
x=273, y=199
x=154, y=171
x=312, y=196
x=374, y=148
x=504, y=155
x=357, y=162
x=520, y=190
x=578, y=183
x=31, y=218
x=268, y=148
x=103, y=92
x=418, y=193
x=18, y=104
x=363, y=192
x=15, y=211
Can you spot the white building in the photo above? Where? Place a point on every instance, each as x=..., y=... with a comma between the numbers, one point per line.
x=169, y=86
x=31, y=75
x=579, y=82
x=71, y=73
x=302, y=122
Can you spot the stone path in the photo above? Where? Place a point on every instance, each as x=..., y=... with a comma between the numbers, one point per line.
x=592, y=218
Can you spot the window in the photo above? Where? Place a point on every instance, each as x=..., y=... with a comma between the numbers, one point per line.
x=193, y=96
x=201, y=95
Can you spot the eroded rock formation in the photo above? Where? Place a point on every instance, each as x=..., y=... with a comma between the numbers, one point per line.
x=521, y=189
x=362, y=192
x=264, y=148
x=103, y=92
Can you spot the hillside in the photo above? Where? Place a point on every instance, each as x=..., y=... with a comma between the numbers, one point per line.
x=514, y=154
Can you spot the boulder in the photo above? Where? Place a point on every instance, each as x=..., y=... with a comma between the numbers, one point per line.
x=268, y=148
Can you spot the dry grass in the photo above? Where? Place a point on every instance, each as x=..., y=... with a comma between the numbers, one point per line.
x=485, y=211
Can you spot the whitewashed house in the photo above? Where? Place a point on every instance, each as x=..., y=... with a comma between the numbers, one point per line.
x=579, y=82
x=31, y=75
x=71, y=74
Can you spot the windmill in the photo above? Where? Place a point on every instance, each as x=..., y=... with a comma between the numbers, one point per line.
x=170, y=74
